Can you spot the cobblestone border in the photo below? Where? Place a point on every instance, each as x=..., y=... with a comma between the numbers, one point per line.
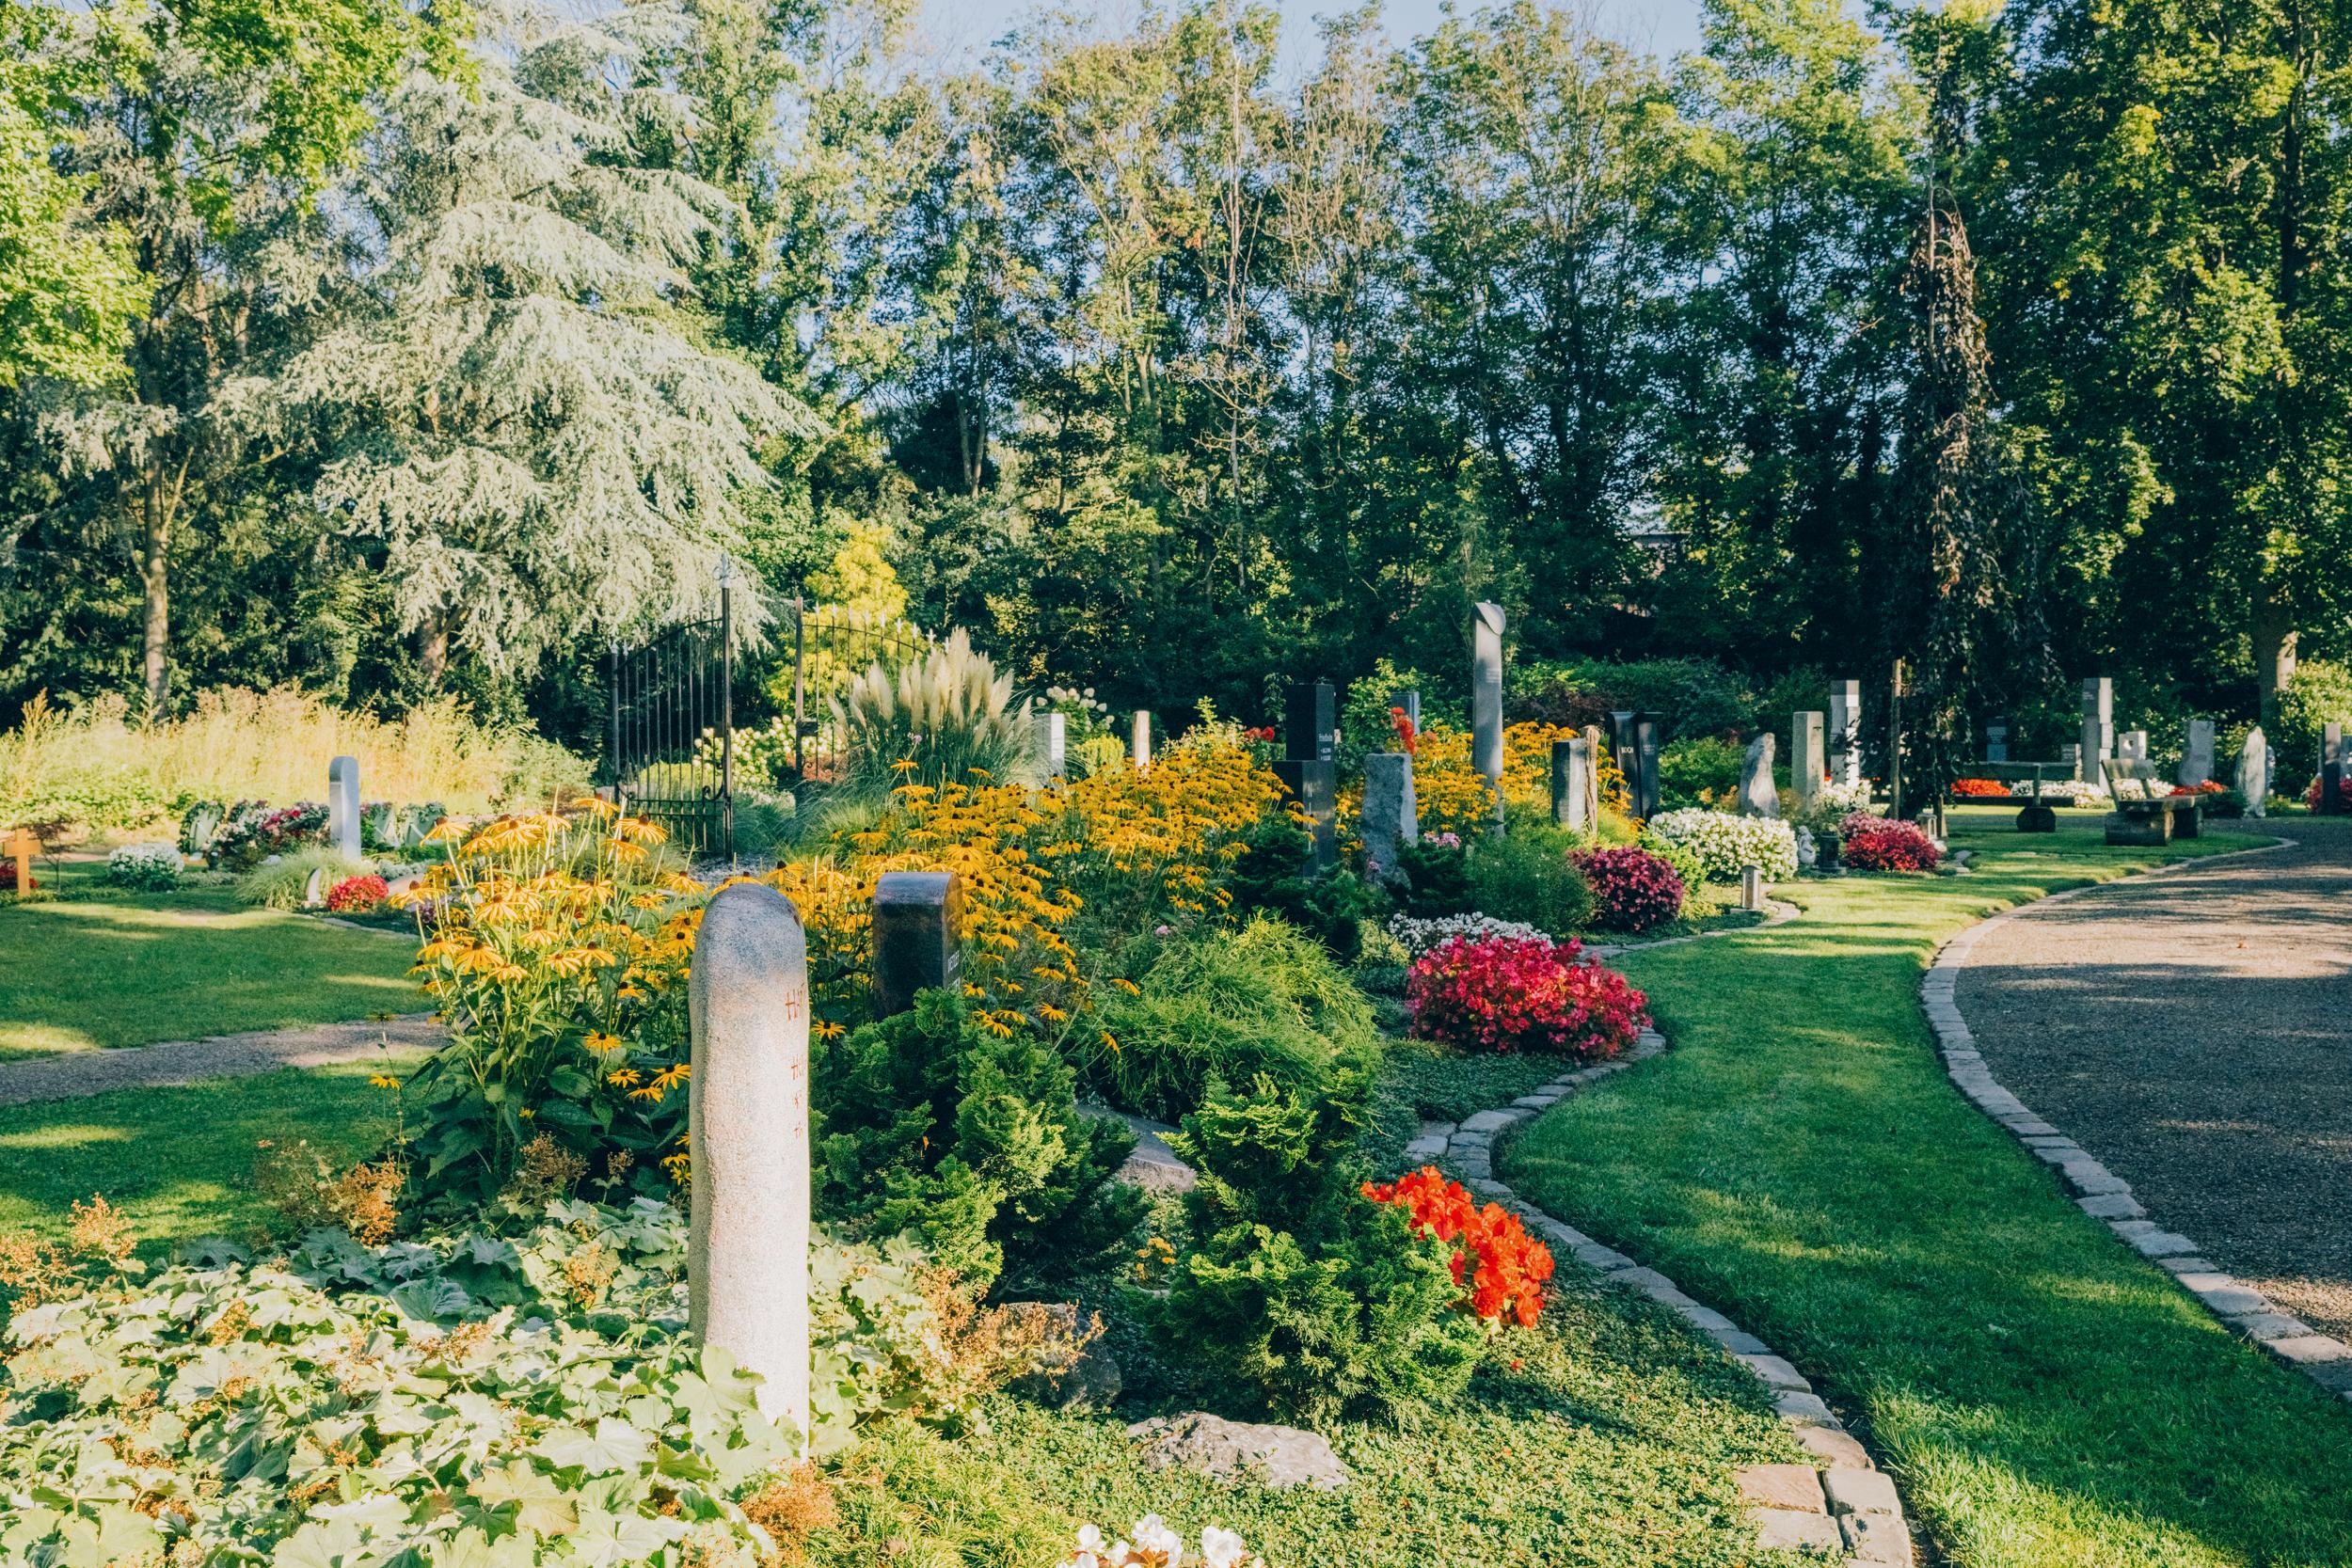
x=2098, y=1191
x=1840, y=1503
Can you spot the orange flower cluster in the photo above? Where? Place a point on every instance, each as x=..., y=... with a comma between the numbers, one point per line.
x=1506, y=1267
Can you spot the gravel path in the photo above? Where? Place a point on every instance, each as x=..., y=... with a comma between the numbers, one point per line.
x=80, y=1073
x=2193, y=1032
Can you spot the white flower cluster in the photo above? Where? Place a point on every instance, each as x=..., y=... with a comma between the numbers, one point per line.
x=1157, y=1547
x=2079, y=792
x=149, y=867
x=1840, y=799
x=1422, y=936
x=1723, y=844
x=1071, y=697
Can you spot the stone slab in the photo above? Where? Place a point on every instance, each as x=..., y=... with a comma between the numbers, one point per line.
x=1796, y=1487
x=1860, y=1492
x=1785, y=1529
x=1835, y=1447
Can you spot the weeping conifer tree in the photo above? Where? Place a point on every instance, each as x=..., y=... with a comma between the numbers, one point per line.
x=1958, y=534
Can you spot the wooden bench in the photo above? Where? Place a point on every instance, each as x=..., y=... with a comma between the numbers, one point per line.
x=2146, y=810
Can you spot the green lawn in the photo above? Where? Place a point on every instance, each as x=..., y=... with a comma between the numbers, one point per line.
x=1801, y=1161
x=179, y=1161
x=98, y=971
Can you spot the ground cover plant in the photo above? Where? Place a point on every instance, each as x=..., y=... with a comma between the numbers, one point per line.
x=108, y=968
x=2046, y=1398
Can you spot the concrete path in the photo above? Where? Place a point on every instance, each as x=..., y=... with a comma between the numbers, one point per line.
x=146, y=1066
x=2193, y=1032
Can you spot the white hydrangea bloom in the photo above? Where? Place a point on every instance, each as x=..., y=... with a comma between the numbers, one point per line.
x=1723, y=844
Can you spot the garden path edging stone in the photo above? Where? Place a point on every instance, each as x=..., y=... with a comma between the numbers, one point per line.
x=1841, y=1503
x=2098, y=1191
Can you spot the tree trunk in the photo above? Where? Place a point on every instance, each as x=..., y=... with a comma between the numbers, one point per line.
x=2274, y=649
x=155, y=579
x=433, y=650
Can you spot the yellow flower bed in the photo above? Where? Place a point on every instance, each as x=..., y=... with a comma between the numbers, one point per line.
x=558, y=940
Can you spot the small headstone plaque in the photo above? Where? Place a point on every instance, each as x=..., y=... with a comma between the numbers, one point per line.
x=918, y=939
x=1410, y=699
x=1996, y=738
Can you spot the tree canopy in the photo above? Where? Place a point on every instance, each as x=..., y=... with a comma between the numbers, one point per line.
x=390, y=346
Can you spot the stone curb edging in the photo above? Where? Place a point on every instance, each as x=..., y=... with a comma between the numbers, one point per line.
x=2098, y=1191
x=1841, y=1502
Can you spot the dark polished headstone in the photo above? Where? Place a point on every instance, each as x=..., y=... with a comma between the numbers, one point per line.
x=918, y=942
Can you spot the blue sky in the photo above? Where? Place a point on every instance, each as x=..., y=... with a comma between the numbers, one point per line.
x=962, y=28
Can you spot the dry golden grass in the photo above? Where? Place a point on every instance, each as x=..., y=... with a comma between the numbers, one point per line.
x=267, y=746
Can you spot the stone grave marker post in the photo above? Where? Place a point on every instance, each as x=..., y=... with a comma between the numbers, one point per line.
x=1391, y=819
x=2197, y=756
x=1139, y=742
x=2332, y=765
x=1308, y=769
x=1808, y=759
x=1053, y=757
x=1575, y=784
x=747, y=1125
x=1845, y=731
x=918, y=937
x=1759, y=796
x=2253, y=772
x=1486, y=697
x=2098, y=741
x=1641, y=783
x=342, y=806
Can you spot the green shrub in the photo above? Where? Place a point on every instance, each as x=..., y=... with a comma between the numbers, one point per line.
x=1365, y=723
x=1691, y=696
x=930, y=1125
x=2319, y=692
x=1260, y=998
x=1271, y=875
x=1697, y=903
x=1437, y=878
x=1524, y=876
x=538, y=773
x=1700, y=771
x=280, y=884
x=1298, y=1290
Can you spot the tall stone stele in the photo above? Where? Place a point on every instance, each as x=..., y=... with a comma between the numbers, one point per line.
x=1845, y=732
x=1575, y=784
x=747, y=1123
x=1759, y=796
x=1391, y=819
x=1808, y=758
x=1309, y=768
x=1486, y=697
x=1139, y=741
x=2253, y=774
x=2196, y=755
x=1052, y=733
x=342, y=806
x=2098, y=738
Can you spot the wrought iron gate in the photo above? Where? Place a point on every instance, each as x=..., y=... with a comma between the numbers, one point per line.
x=671, y=744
